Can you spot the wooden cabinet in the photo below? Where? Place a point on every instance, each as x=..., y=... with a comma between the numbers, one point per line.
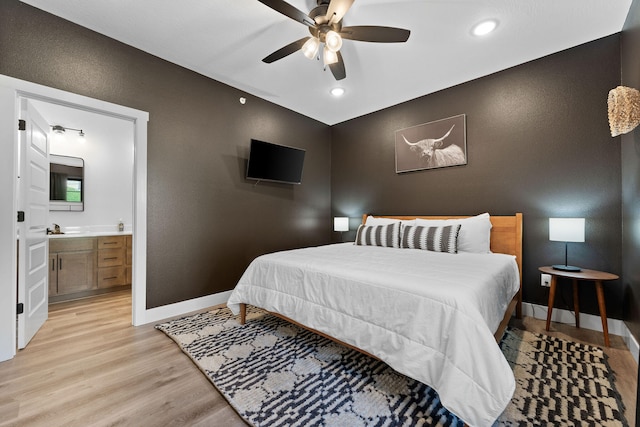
x=72, y=265
x=83, y=266
x=111, y=261
x=128, y=257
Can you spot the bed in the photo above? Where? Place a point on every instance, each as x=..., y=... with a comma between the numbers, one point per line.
x=429, y=314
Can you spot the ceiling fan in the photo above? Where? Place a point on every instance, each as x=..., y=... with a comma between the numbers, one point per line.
x=325, y=26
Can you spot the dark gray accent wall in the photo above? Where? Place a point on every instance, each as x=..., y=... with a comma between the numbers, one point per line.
x=630, y=145
x=537, y=142
x=205, y=221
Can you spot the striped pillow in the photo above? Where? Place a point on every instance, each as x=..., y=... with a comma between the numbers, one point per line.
x=437, y=239
x=379, y=235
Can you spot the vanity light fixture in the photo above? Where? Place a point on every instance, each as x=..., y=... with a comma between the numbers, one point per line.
x=57, y=129
x=60, y=130
x=337, y=92
x=484, y=27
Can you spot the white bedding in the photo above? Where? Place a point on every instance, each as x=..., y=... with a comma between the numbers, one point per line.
x=428, y=315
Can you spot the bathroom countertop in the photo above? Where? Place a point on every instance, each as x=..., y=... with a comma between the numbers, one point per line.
x=90, y=231
x=89, y=234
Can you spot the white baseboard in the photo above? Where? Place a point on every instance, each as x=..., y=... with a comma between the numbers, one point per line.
x=587, y=321
x=184, y=307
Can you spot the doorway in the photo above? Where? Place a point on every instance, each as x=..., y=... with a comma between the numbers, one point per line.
x=11, y=91
x=90, y=215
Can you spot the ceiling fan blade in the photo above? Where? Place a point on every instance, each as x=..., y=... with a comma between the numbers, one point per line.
x=337, y=10
x=290, y=11
x=372, y=33
x=337, y=69
x=285, y=51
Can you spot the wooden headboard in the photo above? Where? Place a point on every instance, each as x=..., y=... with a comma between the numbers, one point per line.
x=506, y=233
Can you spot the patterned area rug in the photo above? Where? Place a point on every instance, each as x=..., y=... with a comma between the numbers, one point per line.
x=276, y=374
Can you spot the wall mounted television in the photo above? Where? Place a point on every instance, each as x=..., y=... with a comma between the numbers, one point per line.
x=275, y=163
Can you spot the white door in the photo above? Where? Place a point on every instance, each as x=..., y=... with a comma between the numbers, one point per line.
x=33, y=199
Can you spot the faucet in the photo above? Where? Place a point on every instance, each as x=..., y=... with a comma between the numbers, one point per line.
x=56, y=230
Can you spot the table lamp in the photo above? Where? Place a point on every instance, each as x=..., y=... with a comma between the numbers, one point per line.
x=341, y=223
x=566, y=230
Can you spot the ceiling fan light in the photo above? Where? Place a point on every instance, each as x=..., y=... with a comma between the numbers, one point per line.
x=310, y=47
x=333, y=41
x=330, y=57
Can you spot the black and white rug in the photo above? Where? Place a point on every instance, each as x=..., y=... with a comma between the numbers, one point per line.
x=276, y=374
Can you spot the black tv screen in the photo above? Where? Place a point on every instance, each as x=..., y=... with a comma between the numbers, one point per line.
x=273, y=162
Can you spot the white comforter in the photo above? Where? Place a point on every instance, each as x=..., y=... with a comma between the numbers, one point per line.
x=430, y=316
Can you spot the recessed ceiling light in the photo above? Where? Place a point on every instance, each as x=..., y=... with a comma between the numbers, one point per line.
x=337, y=92
x=485, y=27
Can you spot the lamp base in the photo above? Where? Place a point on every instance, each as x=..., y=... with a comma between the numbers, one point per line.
x=563, y=267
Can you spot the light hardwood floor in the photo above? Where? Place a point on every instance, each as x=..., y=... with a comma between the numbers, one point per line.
x=89, y=367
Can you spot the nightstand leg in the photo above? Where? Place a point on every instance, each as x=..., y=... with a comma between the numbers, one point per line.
x=576, y=302
x=603, y=311
x=552, y=297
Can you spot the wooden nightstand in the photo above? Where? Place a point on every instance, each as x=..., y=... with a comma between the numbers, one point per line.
x=585, y=275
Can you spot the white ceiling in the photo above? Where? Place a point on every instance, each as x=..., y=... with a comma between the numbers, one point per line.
x=227, y=39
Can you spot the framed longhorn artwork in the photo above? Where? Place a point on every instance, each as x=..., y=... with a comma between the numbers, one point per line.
x=432, y=145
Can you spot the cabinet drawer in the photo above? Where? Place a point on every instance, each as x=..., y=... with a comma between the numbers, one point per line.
x=110, y=257
x=72, y=244
x=110, y=276
x=110, y=242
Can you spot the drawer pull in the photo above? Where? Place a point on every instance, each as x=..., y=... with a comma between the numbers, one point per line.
x=110, y=278
x=109, y=243
x=113, y=257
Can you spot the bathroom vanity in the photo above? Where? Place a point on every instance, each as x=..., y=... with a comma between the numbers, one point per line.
x=89, y=264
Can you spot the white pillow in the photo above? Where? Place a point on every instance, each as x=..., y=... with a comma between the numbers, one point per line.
x=372, y=220
x=475, y=233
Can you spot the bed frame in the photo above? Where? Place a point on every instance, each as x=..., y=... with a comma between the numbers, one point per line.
x=506, y=238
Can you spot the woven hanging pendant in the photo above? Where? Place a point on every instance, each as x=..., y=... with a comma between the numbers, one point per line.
x=624, y=110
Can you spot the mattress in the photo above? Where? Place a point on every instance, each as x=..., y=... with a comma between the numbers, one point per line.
x=429, y=315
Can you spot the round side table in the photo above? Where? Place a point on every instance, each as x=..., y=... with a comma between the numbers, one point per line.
x=585, y=275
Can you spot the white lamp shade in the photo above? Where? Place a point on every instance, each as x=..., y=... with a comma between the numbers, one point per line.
x=333, y=41
x=340, y=223
x=310, y=47
x=330, y=57
x=566, y=229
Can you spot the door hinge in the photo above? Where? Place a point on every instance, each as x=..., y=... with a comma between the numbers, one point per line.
x=22, y=124
x=20, y=216
x=20, y=308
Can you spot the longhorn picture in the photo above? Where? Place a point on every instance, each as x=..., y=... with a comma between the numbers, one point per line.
x=429, y=152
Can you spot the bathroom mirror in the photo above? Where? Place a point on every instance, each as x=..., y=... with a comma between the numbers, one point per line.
x=66, y=183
